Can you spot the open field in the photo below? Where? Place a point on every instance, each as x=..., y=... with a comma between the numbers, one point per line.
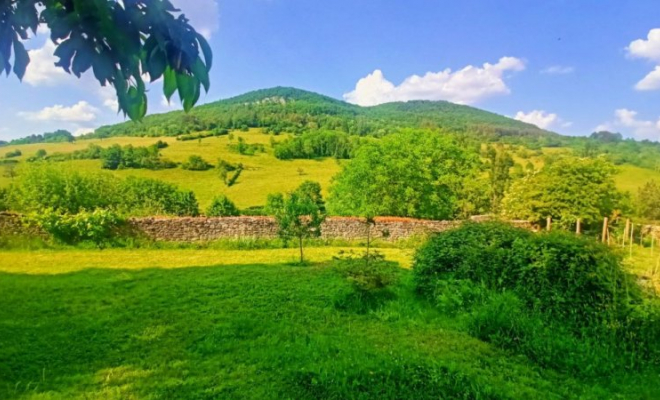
x=264, y=173
x=171, y=324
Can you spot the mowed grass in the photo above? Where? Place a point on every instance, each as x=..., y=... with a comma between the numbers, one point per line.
x=263, y=174
x=172, y=326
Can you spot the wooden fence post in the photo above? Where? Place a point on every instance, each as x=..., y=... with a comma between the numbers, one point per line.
x=605, y=229
x=578, y=226
x=626, y=232
x=548, y=225
x=632, y=231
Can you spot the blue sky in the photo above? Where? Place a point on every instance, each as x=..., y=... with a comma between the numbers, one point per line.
x=570, y=66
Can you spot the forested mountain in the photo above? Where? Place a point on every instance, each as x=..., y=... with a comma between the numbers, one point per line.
x=293, y=110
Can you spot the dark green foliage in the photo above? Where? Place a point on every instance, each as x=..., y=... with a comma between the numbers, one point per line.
x=117, y=157
x=222, y=207
x=247, y=149
x=316, y=144
x=410, y=174
x=13, y=154
x=648, y=201
x=143, y=196
x=59, y=136
x=196, y=163
x=607, y=137
x=203, y=135
x=370, y=278
x=570, y=278
x=545, y=295
x=119, y=41
x=234, y=177
x=4, y=199
x=299, y=214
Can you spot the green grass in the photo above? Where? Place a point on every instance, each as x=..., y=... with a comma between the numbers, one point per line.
x=186, y=324
x=264, y=174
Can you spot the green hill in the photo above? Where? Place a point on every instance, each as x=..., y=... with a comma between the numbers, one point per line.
x=292, y=110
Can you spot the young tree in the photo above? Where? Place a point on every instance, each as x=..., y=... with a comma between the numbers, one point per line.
x=299, y=214
x=120, y=41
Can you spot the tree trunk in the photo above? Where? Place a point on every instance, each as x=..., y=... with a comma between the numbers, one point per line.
x=300, y=240
x=368, y=240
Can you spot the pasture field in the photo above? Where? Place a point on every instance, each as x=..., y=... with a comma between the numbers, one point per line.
x=208, y=324
x=263, y=174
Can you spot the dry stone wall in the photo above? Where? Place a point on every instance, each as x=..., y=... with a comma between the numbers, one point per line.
x=347, y=228
x=11, y=224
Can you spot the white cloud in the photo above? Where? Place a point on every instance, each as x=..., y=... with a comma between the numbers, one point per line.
x=648, y=49
x=169, y=105
x=558, y=70
x=204, y=15
x=82, y=131
x=42, y=70
x=650, y=81
x=542, y=119
x=79, y=112
x=628, y=122
x=466, y=86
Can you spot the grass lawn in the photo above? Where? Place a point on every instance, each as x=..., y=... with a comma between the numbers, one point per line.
x=220, y=324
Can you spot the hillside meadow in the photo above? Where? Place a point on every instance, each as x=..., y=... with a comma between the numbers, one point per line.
x=263, y=173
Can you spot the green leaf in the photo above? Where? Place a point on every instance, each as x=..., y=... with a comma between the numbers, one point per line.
x=83, y=60
x=201, y=73
x=21, y=59
x=156, y=64
x=206, y=49
x=103, y=68
x=169, y=83
x=186, y=85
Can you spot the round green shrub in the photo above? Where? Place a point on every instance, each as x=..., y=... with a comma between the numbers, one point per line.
x=222, y=207
x=574, y=279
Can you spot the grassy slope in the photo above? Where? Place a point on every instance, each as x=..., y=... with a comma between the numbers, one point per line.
x=264, y=174
x=243, y=330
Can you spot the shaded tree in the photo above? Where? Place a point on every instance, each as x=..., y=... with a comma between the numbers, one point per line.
x=648, y=201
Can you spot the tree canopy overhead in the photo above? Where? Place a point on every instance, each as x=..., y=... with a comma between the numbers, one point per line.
x=122, y=42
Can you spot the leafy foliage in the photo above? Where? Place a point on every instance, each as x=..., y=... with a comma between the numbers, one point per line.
x=567, y=189
x=144, y=196
x=117, y=157
x=196, y=163
x=299, y=214
x=648, y=201
x=65, y=190
x=316, y=144
x=411, y=174
x=119, y=41
x=97, y=226
x=222, y=207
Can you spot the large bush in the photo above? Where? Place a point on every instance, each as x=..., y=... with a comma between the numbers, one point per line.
x=69, y=191
x=144, y=196
x=562, y=300
x=62, y=189
x=571, y=278
x=98, y=226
